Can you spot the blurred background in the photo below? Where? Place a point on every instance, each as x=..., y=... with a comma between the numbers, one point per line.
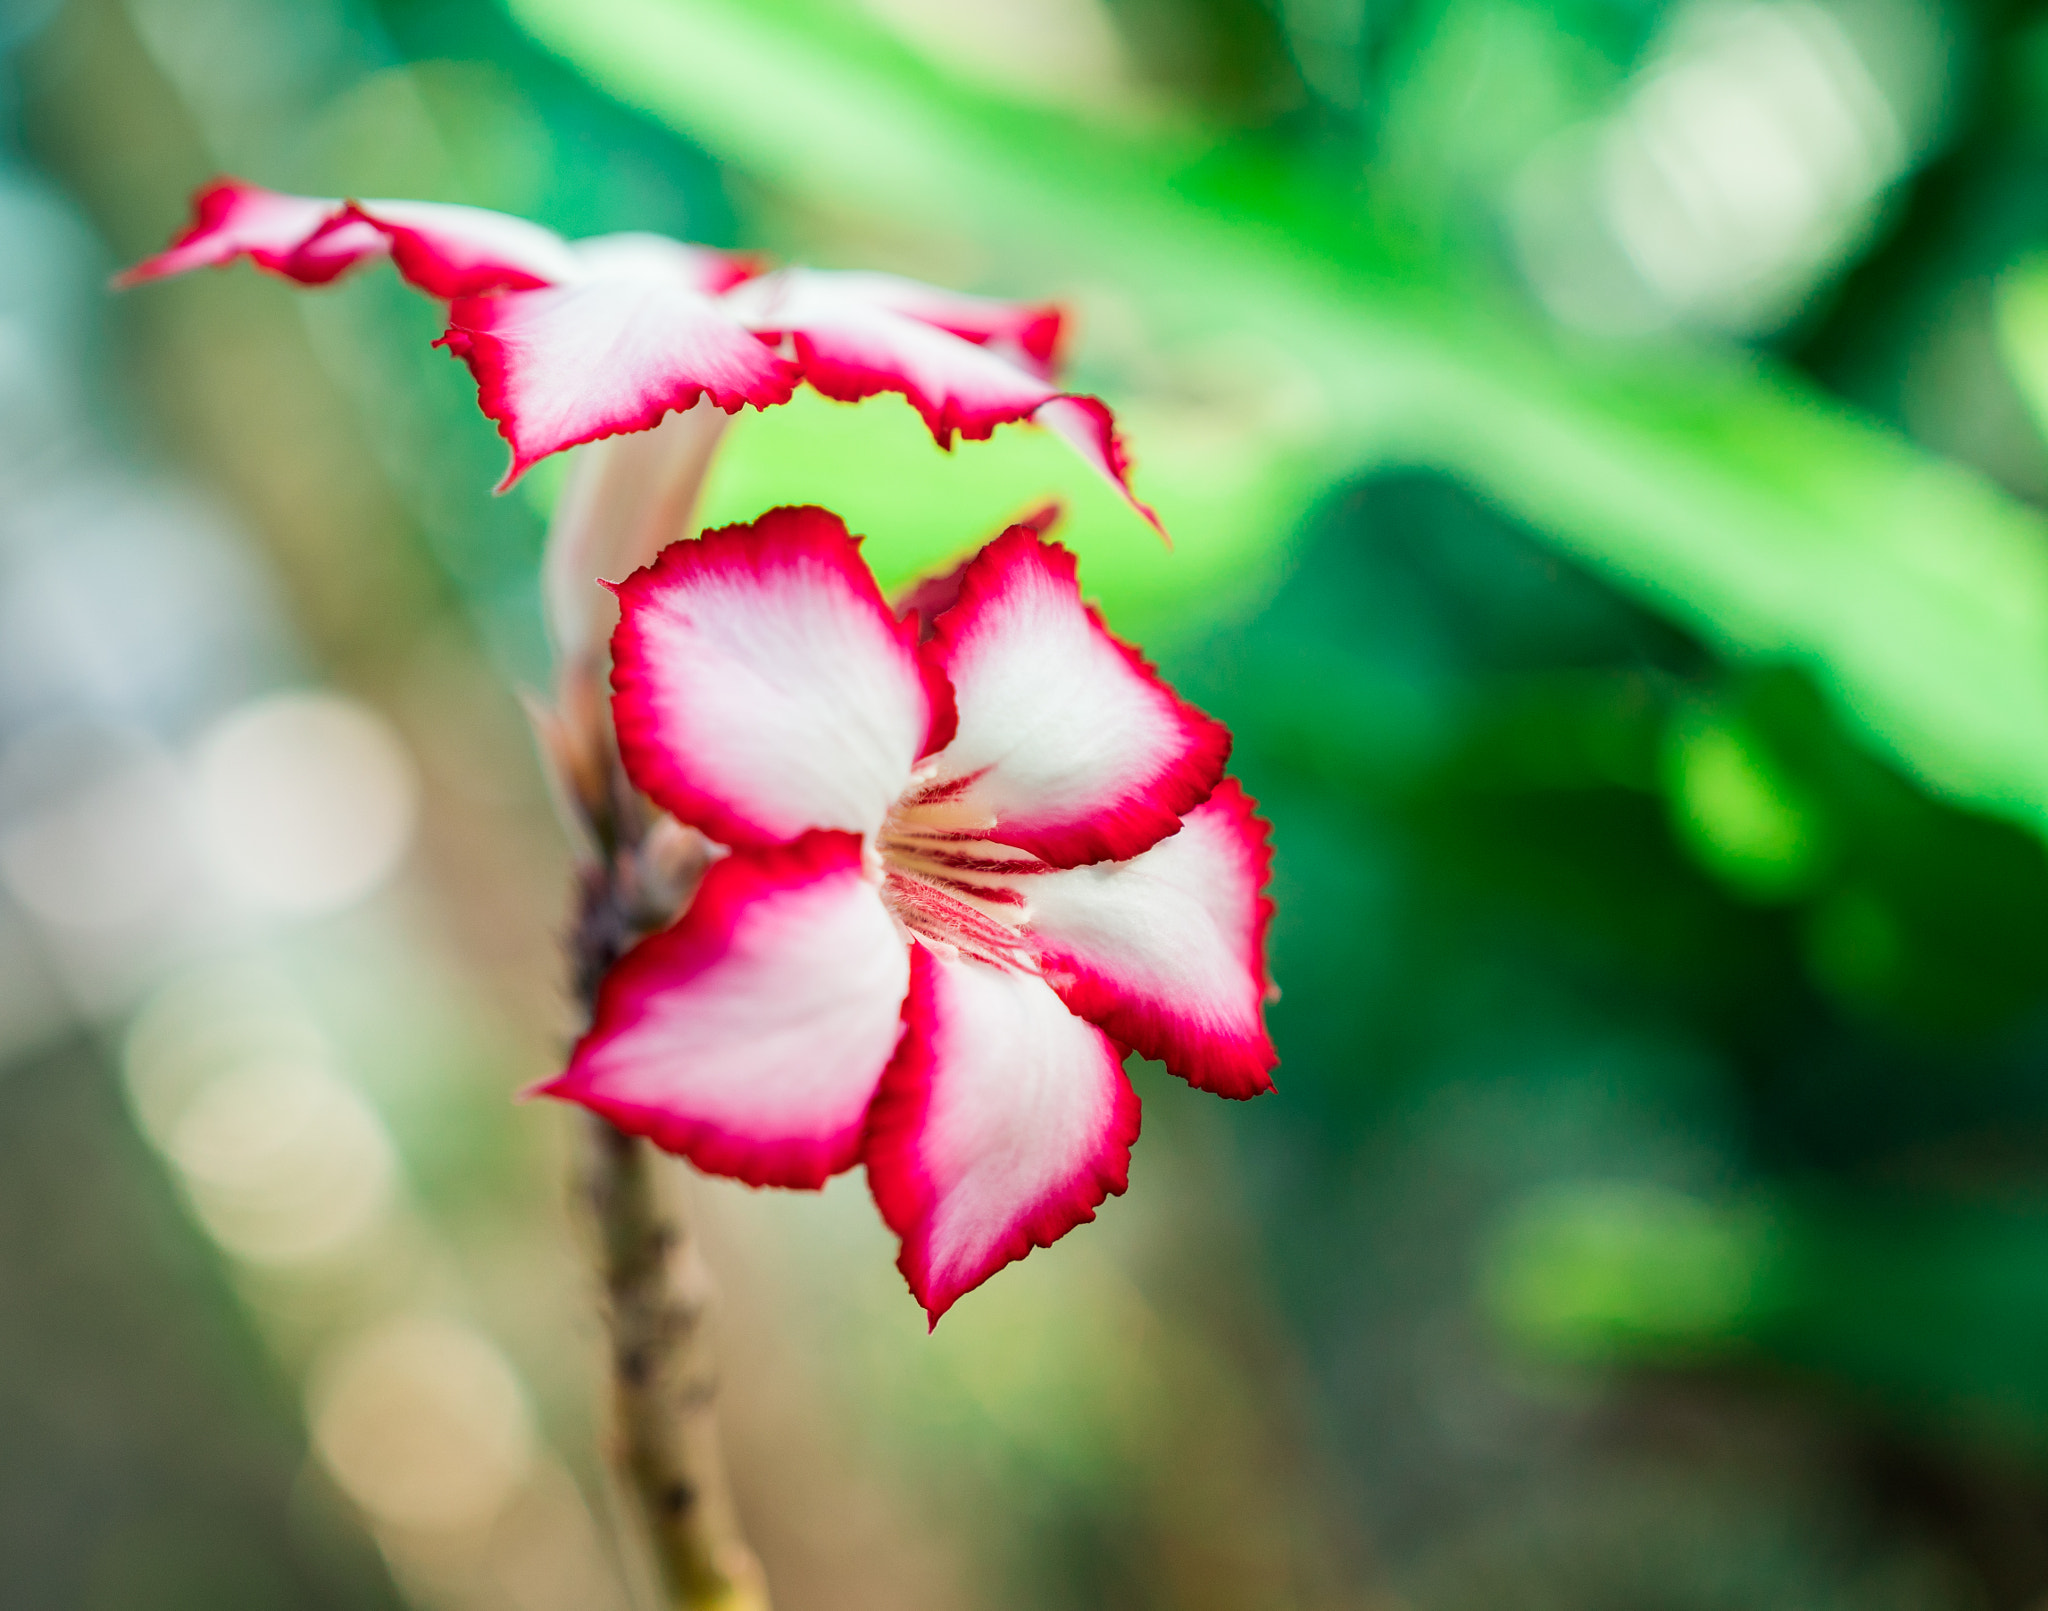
x=1603, y=441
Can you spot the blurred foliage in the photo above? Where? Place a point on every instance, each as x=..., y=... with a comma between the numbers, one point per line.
x=1646, y=674
x=181, y=1491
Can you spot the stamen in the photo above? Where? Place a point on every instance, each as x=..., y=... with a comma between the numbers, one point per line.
x=948, y=882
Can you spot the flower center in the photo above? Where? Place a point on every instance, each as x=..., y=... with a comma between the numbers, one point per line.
x=947, y=882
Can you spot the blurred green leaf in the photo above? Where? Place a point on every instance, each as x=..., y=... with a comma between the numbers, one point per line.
x=1936, y=1311
x=2022, y=323
x=1591, y=1269
x=1740, y=814
x=1721, y=490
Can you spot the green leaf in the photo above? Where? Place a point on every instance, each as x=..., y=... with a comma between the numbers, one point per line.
x=1724, y=492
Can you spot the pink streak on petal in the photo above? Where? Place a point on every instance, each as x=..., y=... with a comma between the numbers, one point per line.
x=606, y=354
x=1002, y=1123
x=764, y=687
x=1167, y=951
x=231, y=219
x=1067, y=736
x=1086, y=425
x=749, y=1037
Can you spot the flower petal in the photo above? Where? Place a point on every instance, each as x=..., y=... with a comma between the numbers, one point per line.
x=966, y=364
x=303, y=238
x=1069, y=745
x=852, y=346
x=930, y=597
x=1027, y=332
x=702, y=268
x=625, y=499
x=1086, y=425
x=450, y=251
x=764, y=687
x=750, y=1035
x=1001, y=1124
x=1166, y=951
x=631, y=340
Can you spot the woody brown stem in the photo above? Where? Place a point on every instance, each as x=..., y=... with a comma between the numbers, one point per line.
x=665, y=1382
x=658, y=1297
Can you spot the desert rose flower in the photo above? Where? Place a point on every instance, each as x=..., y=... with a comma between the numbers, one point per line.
x=974, y=852
x=571, y=341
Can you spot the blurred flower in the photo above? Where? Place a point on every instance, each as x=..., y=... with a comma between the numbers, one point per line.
x=975, y=851
x=573, y=341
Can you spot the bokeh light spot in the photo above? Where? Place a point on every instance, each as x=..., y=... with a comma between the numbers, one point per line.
x=422, y=1423
x=283, y=1161
x=306, y=802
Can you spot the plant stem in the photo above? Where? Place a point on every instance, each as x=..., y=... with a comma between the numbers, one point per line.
x=664, y=1382
x=658, y=1289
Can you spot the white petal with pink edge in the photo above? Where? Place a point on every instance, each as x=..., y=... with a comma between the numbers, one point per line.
x=1166, y=951
x=636, y=252
x=764, y=687
x=629, y=341
x=1069, y=745
x=1026, y=331
x=450, y=251
x=1002, y=1123
x=750, y=1036
x=1086, y=425
x=852, y=347
x=231, y=219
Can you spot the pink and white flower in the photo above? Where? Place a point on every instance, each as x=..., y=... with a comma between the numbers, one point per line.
x=571, y=341
x=975, y=850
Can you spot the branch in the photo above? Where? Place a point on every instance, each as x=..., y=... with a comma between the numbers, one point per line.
x=665, y=1382
x=658, y=1290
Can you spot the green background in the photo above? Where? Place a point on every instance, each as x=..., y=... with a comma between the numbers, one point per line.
x=1600, y=441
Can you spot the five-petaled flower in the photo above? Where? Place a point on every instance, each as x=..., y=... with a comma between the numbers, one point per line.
x=575, y=340
x=969, y=852
x=975, y=852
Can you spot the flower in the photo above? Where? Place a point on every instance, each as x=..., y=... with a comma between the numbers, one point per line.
x=571, y=341
x=975, y=851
